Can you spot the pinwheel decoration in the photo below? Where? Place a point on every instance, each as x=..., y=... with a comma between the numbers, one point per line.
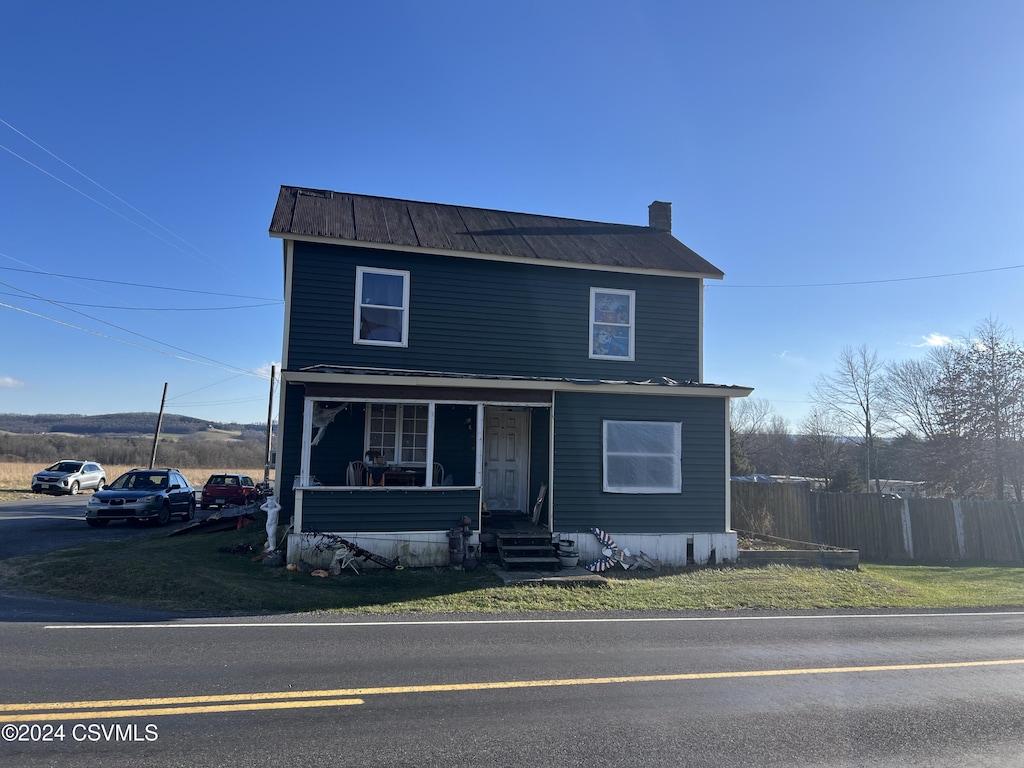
x=610, y=552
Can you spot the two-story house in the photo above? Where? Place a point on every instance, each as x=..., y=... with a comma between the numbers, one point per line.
x=443, y=362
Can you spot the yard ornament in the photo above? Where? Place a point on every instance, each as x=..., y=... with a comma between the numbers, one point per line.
x=611, y=555
x=272, y=507
x=609, y=550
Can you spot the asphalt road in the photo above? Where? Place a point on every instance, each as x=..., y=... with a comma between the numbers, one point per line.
x=872, y=690
x=623, y=690
x=45, y=523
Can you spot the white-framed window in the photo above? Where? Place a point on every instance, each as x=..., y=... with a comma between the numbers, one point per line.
x=382, y=307
x=642, y=456
x=398, y=432
x=612, y=314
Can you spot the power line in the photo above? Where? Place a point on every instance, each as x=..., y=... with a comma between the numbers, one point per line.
x=211, y=364
x=136, y=309
x=212, y=403
x=63, y=278
x=216, y=363
x=102, y=205
x=874, y=282
x=136, y=285
x=121, y=200
x=208, y=386
x=22, y=293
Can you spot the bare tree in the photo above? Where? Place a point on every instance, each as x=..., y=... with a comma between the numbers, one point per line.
x=821, y=445
x=761, y=435
x=908, y=389
x=852, y=396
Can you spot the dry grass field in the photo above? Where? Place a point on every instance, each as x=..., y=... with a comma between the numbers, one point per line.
x=16, y=476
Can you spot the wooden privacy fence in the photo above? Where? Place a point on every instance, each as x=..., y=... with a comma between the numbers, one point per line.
x=928, y=530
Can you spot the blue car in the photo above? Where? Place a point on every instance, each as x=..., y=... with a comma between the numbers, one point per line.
x=154, y=495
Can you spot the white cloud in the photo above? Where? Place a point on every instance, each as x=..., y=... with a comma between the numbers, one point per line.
x=264, y=370
x=10, y=382
x=788, y=357
x=935, y=340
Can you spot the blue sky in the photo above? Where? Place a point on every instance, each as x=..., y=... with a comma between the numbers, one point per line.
x=855, y=168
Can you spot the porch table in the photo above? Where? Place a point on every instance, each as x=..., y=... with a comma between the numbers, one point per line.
x=404, y=477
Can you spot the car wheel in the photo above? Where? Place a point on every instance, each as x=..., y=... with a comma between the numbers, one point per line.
x=73, y=490
x=100, y=484
x=204, y=506
x=191, y=512
x=164, y=516
x=95, y=522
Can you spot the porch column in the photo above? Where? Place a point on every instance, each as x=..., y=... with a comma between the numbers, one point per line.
x=429, y=477
x=479, y=445
x=307, y=438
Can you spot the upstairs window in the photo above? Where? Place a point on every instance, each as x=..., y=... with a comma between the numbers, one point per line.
x=382, y=307
x=642, y=456
x=611, y=324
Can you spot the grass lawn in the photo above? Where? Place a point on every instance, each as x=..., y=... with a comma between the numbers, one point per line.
x=216, y=573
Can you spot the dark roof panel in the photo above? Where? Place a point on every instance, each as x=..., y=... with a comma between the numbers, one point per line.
x=388, y=221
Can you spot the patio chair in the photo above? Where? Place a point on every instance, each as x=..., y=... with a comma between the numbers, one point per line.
x=356, y=473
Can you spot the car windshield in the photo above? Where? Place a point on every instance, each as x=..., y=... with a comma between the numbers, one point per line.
x=66, y=466
x=139, y=481
x=222, y=480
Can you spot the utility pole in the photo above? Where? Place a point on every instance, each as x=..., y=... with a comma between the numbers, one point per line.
x=270, y=422
x=159, y=424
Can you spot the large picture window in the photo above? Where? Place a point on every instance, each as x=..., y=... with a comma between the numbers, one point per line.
x=642, y=456
x=382, y=307
x=398, y=433
x=611, y=324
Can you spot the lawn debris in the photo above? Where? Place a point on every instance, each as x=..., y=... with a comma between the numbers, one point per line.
x=270, y=559
x=242, y=548
x=330, y=541
x=234, y=518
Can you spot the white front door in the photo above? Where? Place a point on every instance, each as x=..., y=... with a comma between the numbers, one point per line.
x=506, y=441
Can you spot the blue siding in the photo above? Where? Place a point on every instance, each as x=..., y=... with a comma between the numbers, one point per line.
x=486, y=317
x=388, y=510
x=290, y=447
x=579, y=502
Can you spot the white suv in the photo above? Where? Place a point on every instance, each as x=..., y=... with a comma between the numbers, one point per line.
x=69, y=476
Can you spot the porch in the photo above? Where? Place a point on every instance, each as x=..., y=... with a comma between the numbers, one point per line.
x=397, y=467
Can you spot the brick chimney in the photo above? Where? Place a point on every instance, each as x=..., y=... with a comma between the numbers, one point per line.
x=660, y=216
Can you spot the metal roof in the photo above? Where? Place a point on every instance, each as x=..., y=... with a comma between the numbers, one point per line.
x=381, y=221
x=658, y=382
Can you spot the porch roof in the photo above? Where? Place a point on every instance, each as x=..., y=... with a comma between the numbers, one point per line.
x=660, y=383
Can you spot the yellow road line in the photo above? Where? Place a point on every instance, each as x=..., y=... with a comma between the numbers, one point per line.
x=339, y=696
x=155, y=711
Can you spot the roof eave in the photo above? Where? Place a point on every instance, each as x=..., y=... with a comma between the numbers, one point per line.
x=718, y=275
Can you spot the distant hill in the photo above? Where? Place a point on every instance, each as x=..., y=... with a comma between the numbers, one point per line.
x=126, y=425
